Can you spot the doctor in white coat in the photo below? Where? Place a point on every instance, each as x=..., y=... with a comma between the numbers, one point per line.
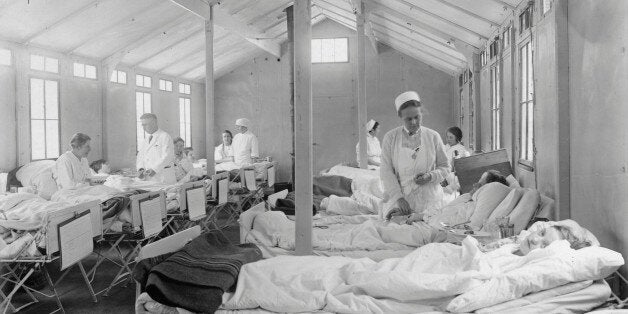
x=245, y=146
x=155, y=158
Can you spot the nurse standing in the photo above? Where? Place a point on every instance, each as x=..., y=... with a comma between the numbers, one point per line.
x=413, y=162
x=373, y=148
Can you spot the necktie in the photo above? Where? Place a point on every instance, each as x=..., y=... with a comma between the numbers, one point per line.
x=150, y=138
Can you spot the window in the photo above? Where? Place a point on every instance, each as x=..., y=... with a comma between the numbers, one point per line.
x=185, y=126
x=41, y=63
x=495, y=109
x=506, y=38
x=494, y=48
x=461, y=107
x=483, y=59
x=143, y=81
x=526, y=103
x=525, y=19
x=184, y=88
x=547, y=5
x=166, y=85
x=330, y=50
x=142, y=106
x=44, y=118
x=5, y=56
x=84, y=70
x=118, y=77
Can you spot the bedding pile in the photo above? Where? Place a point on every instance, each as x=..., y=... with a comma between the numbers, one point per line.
x=438, y=276
x=196, y=277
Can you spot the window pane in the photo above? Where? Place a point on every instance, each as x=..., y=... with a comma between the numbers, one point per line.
x=140, y=133
x=79, y=69
x=52, y=65
x=52, y=138
x=530, y=88
x=114, y=76
x=52, y=100
x=182, y=131
x=530, y=131
x=5, y=56
x=147, y=82
x=38, y=139
x=524, y=137
x=316, y=51
x=187, y=89
x=187, y=112
x=37, y=62
x=341, y=50
x=169, y=86
x=37, y=99
x=524, y=73
x=139, y=105
x=181, y=112
x=139, y=80
x=90, y=71
x=147, y=102
x=188, y=134
x=121, y=77
x=162, y=85
x=181, y=88
x=327, y=50
x=499, y=130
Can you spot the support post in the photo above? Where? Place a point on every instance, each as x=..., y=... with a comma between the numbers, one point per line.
x=477, y=109
x=303, y=125
x=290, y=58
x=361, y=84
x=209, y=91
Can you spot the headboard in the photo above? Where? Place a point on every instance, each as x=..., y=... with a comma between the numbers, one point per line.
x=470, y=169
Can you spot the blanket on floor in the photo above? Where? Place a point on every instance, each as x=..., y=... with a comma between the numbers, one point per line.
x=196, y=277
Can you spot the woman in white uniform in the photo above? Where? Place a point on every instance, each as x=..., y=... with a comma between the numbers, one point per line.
x=413, y=162
x=454, y=150
x=245, y=146
x=224, y=152
x=373, y=148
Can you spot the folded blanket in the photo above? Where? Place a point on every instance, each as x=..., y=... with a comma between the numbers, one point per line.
x=196, y=277
x=332, y=185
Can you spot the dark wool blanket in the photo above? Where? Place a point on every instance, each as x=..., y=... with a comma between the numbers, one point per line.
x=332, y=185
x=196, y=277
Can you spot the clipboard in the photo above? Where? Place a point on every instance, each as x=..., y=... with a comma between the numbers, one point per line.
x=150, y=214
x=223, y=191
x=215, y=179
x=75, y=239
x=247, y=178
x=195, y=199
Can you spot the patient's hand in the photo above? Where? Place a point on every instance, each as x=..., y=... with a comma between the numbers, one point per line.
x=149, y=172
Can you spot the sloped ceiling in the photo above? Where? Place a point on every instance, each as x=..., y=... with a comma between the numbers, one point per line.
x=161, y=36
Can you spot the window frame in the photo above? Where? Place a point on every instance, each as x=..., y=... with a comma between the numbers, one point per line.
x=329, y=62
x=117, y=74
x=138, y=121
x=44, y=69
x=84, y=66
x=526, y=150
x=11, y=57
x=496, y=108
x=30, y=118
x=165, y=89
x=187, y=125
x=144, y=77
x=187, y=88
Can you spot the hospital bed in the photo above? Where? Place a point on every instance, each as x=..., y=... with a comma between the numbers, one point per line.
x=66, y=234
x=470, y=169
x=577, y=296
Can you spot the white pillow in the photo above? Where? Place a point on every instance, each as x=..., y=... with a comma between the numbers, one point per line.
x=45, y=184
x=504, y=208
x=28, y=172
x=564, y=266
x=487, y=199
x=525, y=209
x=512, y=182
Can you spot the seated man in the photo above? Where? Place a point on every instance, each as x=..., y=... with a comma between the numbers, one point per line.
x=182, y=165
x=72, y=169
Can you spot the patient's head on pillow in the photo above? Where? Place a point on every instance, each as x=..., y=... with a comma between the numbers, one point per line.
x=489, y=177
x=577, y=236
x=100, y=166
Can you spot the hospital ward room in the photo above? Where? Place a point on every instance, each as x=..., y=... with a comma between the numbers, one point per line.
x=313, y=156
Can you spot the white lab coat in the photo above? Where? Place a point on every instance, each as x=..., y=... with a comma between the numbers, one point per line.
x=245, y=148
x=158, y=155
x=373, y=149
x=399, y=168
x=70, y=172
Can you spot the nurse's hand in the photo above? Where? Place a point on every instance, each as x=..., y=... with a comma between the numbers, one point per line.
x=404, y=207
x=423, y=178
x=149, y=173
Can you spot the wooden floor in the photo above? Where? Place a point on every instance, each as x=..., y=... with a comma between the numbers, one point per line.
x=75, y=296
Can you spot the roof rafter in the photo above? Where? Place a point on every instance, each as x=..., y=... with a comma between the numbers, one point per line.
x=505, y=4
x=401, y=47
x=260, y=17
x=469, y=13
x=232, y=24
x=189, y=54
x=195, y=32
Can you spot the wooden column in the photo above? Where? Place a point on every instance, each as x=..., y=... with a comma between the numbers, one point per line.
x=290, y=58
x=303, y=125
x=477, y=115
x=361, y=83
x=563, y=189
x=209, y=91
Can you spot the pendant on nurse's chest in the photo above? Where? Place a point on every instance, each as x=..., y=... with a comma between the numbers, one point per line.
x=416, y=150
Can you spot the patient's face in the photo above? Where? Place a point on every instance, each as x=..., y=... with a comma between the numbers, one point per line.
x=104, y=169
x=540, y=239
x=451, y=139
x=226, y=139
x=178, y=147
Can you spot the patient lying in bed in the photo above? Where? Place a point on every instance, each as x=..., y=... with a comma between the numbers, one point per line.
x=437, y=276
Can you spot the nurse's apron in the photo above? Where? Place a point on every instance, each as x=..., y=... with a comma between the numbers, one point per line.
x=420, y=197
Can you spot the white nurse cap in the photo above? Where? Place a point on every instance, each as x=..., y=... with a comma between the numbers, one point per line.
x=406, y=96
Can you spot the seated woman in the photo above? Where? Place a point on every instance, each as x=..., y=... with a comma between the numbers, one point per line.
x=100, y=166
x=373, y=147
x=454, y=150
x=182, y=165
x=72, y=169
x=224, y=151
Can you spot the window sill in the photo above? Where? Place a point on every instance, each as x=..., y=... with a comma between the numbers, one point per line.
x=526, y=165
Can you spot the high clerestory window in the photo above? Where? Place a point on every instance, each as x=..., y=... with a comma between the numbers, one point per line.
x=330, y=50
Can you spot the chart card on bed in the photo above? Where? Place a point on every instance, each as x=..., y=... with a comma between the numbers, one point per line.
x=249, y=177
x=223, y=191
x=271, y=176
x=196, y=203
x=75, y=239
x=150, y=210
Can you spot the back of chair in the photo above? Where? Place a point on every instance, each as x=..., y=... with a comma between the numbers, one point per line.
x=470, y=169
